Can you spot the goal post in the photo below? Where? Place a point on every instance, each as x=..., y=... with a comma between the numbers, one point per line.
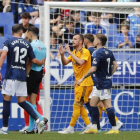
x=60, y=93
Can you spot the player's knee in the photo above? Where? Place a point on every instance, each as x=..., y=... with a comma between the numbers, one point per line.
x=77, y=104
x=107, y=106
x=6, y=97
x=92, y=104
x=21, y=99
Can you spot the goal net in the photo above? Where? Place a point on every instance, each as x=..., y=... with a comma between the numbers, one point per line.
x=60, y=21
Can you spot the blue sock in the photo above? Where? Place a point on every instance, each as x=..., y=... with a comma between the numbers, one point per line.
x=31, y=120
x=6, y=112
x=40, y=117
x=111, y=116
x=31, y=124
x=95, y=115
x=29, y=109
x=90, y=112
x=89, y=108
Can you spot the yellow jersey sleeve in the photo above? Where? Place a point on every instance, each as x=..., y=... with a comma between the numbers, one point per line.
x=69, y=58
x=85, y=55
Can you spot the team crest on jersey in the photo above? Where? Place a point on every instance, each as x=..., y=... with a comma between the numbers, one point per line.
x=106, y=52
x=94, y=61
x=39, y=48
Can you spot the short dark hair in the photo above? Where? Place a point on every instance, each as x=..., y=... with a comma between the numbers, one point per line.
x=69, y=20
x=75, y=12
x=90, y=37
x=125, y=24
x=102, y=38
x=25, y=15
x=97, y=14
x=53, y=35
x=16, y=28
x=34, y=30
x=81, y=37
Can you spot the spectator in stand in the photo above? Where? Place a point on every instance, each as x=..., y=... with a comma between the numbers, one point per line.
x=5, y=6
x=138, y=39
x=25, y=17
x=134, y=20
x=69, y=32
x=55, y=15
x=31, y=7
x=58, y=30
x=66, y=31
x=124, y=39
x=79, y=28
x=95, y=27
x=53, y=42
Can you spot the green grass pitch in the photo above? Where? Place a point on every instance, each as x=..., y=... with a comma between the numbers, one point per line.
x=127, y=135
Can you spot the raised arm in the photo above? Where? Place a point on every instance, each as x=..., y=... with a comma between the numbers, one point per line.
x=64, y=60
x=78, y=60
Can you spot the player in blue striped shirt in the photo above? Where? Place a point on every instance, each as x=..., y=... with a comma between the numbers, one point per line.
x=17, y=51
x=103, y=60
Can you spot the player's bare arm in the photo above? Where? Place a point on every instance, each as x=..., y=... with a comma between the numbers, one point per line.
x=37, y=62
x=78, y=60
x=115, y=66
x=64, y=60
x=28, y=66
x=89, y=73
x=2, y=59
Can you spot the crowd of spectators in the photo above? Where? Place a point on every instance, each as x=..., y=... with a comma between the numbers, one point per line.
x=64, y=23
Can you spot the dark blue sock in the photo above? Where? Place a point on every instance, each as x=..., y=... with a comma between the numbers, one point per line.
x=111, y=116
x=95, y=115
x=29, y=109
x=90, y=112
x=88, y=107
x=6, y=112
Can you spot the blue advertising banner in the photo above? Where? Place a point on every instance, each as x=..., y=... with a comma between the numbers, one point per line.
x=128, y=71
x=126, y=104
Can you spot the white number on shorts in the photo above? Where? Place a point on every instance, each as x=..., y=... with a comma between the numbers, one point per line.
x=23, y=52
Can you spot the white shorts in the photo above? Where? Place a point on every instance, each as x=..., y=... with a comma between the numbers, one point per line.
x=102, y=94
x=10, y=87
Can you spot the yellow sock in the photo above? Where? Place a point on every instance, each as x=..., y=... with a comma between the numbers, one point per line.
x=84, y=115
x=104, y=109
x=116, y=119
x=75, y=115
x=100, y=112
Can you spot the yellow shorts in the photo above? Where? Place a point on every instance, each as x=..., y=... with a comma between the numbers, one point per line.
x=82, y=92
